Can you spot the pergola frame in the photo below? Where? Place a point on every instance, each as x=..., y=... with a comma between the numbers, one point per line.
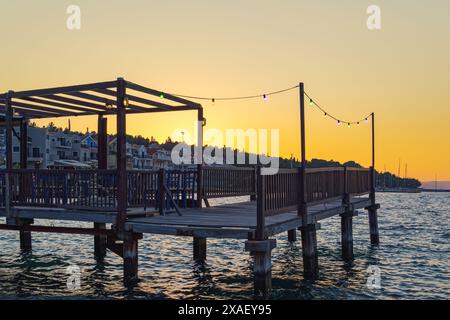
x=118, y=97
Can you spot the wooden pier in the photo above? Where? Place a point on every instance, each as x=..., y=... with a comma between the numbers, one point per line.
x=125, y=205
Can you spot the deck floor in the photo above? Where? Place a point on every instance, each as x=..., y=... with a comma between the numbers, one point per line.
x=236, y=220
x=233, y=220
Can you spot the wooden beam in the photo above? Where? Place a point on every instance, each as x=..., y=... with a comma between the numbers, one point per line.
x=64, y=90
x=138, y=99
x=101, y=99
x=260, y=219
x=82, y=103
x=43, y=109
x=9, y=128
x=60, y=105
x=30, y=113
x=23, y=144
x=102, y=143
x=121, y=156
x=137, y=87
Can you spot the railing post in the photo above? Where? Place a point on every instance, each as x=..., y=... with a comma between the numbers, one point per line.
x=260, y=219
x=161, y=191
x=372, y=209
x=261, y=247
x=255, y=187
x=347, y=221
x=346, y=195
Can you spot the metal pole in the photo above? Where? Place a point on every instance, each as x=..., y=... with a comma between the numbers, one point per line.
x=302, y=124
x=373, y=140
x=302, y=208
x=200, y=158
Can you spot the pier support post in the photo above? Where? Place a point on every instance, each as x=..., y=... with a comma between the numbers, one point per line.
x=199, y=245
x=309, y=249
x=25, y=236
x=130, y=258
x=292, y=235
x=100, y=242
x=347, y=235
x=373, y=224
x=262, y=264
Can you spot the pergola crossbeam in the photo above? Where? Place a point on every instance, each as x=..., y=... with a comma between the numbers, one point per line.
x=39, y=108
x=139, y=100
x=167, y=96
x=67, y=89
x=91, y=99
x=61, y=105
x=94, y=106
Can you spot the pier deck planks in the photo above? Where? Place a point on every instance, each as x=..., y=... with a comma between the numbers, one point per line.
x=236, y=220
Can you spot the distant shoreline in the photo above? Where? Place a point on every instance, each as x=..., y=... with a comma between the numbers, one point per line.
x=435, y=190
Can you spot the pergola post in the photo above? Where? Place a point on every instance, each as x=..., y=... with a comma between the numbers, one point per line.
x=121, y=157
x=8, y=145
x=100, y=241
x=102, y=142
x=23, y=143
x=25, y=236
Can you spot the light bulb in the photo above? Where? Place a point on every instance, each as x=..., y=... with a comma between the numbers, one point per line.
x=265, y=97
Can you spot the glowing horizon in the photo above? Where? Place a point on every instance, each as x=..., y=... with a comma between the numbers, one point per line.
x=236, y=49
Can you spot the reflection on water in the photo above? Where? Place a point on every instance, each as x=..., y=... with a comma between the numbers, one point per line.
x=413, y=259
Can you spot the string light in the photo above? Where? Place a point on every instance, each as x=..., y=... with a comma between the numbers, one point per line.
x=237, y=98
x=265, y=97
x=161, y=95
x=339, y=121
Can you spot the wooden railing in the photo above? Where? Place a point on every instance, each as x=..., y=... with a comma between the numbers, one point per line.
x=228, y=182
x=84, y=189
x=324, y=184
x=97, y=189
x=279, y=192
x=358, y=181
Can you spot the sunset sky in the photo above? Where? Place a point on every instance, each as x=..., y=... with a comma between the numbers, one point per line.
x=233, y=48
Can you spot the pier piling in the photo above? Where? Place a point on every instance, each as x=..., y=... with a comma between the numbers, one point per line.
x=100, y=242
x=199, y=245
x=347, y=235
x=130, y=259
x=309, y=249
x=292, y=235
x=262, y=264
x=373, y=225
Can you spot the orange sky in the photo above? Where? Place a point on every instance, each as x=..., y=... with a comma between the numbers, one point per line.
x=223, y=48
